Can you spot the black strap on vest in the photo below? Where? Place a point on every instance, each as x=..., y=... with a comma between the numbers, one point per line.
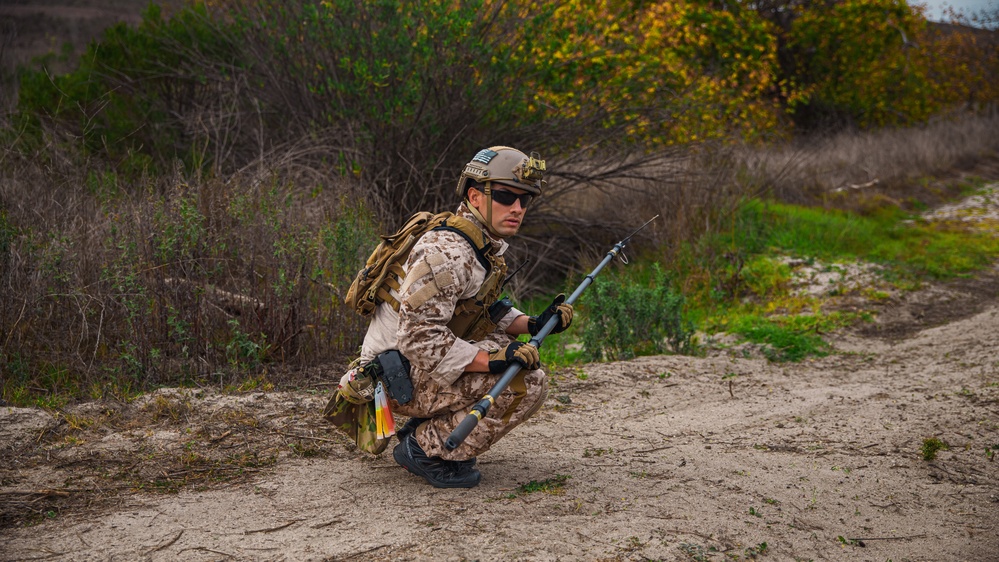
x=480, y=254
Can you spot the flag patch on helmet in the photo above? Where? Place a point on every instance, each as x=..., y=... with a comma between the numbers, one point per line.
x=485, y=156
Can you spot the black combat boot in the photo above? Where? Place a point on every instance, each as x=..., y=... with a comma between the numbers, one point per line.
x=437, y=471
x=464, y=465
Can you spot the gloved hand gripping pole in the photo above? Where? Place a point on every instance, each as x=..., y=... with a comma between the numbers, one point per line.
x=481, y=408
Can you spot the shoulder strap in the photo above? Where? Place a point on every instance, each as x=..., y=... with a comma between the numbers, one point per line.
x=471, y=233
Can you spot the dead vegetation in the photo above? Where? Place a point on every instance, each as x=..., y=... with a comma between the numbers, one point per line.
x=864, y=171
x=100, y=452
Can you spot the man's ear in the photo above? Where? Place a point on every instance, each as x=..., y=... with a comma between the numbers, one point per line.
x=475, y=197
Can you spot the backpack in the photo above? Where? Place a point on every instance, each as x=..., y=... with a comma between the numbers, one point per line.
x=383, y=270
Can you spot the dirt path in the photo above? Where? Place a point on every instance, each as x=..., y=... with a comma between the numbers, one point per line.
x=671, y=458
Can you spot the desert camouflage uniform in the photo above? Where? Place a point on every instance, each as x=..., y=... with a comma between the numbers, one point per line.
x=443, y=392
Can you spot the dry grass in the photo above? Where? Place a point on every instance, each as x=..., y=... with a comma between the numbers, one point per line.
x=890, y=161
x=161, y=443
x=596, y=197
x=608, y=197
x=111, y=287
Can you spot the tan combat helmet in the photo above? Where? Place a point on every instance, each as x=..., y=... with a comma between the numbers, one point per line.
x=505, y=165
x=502, y=165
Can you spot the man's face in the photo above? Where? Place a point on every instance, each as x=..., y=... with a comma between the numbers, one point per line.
x=506, y=219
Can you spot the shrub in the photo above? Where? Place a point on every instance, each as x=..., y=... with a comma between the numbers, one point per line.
x=409, y=89
x=625, y=319
x=664, y=72
x=966, y=57
x=780, y=343
x=852, y=61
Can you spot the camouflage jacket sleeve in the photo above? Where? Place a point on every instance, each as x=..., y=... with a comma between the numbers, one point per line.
x=441, y=270
x=508, y=319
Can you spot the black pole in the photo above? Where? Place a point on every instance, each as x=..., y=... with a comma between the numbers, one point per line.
x=481, y=408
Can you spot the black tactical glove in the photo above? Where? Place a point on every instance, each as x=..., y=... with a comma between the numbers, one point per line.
x=525, y=354
x=558, y=307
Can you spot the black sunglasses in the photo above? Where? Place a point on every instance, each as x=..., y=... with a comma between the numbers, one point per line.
x=506, y=198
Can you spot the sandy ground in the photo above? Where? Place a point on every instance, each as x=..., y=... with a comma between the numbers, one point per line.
x=721, y=457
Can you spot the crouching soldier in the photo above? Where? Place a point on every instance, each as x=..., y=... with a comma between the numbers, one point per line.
x=440, y=336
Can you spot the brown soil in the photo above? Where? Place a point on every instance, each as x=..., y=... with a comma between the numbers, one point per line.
x=899, y=319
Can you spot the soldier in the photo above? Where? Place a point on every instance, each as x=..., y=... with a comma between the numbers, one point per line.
x=456, y=341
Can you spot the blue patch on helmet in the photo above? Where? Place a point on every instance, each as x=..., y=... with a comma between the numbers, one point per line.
x=485, y=156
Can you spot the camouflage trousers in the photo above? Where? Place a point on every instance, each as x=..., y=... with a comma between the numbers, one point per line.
x=446, y=406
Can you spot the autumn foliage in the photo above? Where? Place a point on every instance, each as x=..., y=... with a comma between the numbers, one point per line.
x=667, y=72
x=689, y=70
x=965, y=64
x=858, y=59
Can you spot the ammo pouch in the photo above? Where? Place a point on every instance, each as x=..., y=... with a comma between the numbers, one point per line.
x=392, y=368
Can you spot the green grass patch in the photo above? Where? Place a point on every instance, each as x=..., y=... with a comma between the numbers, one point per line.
x=931, y=446
x=766, y=277
x=735, y=281
x=560, y=350
x=781, y=342
x=785, y=337
x=909, y=247
x=552, y=485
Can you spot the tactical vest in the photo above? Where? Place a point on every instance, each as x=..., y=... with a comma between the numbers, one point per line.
x=383, y=271
x=472, y=320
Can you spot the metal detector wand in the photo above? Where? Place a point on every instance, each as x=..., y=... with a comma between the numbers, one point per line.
x=481, y=408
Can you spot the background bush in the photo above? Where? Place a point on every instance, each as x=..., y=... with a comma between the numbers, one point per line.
x=141, y=98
